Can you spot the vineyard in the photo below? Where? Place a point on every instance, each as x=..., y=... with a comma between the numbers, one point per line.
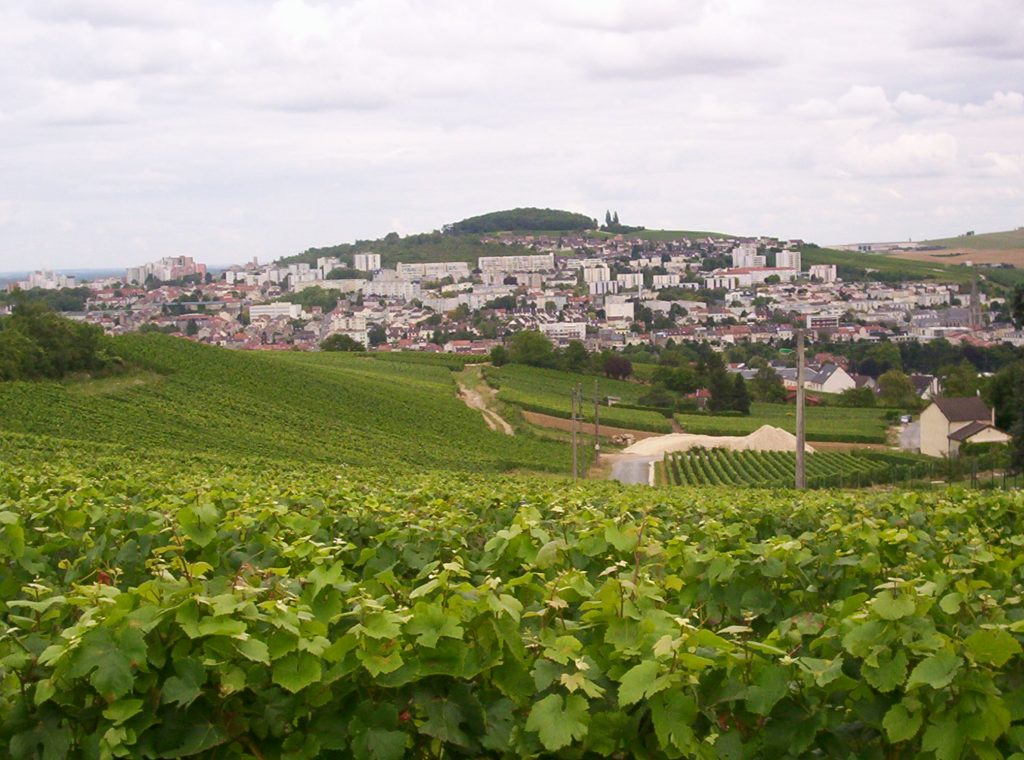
x=774, y=469
x=309, y=407
x=230, y=608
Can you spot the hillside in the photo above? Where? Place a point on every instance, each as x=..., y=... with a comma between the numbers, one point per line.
x=323, y=409
x=990, y=241
x=460, y=241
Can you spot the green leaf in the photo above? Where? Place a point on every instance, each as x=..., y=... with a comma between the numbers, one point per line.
x=110, y=660
x=890, y=673
x=638, y=682
x=558, y=727
x=430, y=622
x=184, y=687
x=548, y=554
x=199, y=522
x=936, y=671
x=381, y=625
x=950, y=603
x=253, y=649
x=891, y=606
x=296, y=671
x=992, y=646
x=443, y=719
x=379, y=744
x=770, y=685
x=673, y=713
x=944, y=738
x=122, y=710
x=221, y=625
x=901, y=724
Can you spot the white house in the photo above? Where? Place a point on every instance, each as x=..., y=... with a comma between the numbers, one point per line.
x=948, y=423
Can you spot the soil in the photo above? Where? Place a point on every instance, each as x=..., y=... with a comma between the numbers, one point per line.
x=765, y=438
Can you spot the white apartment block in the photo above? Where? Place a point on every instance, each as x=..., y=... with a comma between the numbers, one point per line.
x=274, y=310
x=393, y=289
x=45, y=280
x=788, y=259
x=564, y=331
x=630, y=280
x=433, y=270
x=366, y=262
x=614, y=312
x=531, y=263
x=744, y=254
x=603, y=287
x=824, y=272
x=665, y=281
x=597, y=274
x=327, y=264
x=166, y=269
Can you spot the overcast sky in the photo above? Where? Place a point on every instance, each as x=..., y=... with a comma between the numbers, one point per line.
x=226, y=129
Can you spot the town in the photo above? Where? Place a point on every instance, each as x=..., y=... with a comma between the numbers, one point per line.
x=608, y=294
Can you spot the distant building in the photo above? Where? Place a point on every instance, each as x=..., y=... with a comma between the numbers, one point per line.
x=788, y=259
x=45, y=280
x=274, y=310
x=530, y=263
x=433, y=270
x=948, y=423
x=824, y=272
x=564, y=331
x=167, y=269
x=366, y=262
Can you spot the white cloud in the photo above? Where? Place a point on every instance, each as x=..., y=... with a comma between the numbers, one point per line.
x=910, y=154
x=1000, y=104
x=260, y=127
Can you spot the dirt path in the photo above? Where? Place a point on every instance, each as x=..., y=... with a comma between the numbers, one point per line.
x=560, y=423
x=474, y=399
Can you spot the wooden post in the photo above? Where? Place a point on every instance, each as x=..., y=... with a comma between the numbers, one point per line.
x=573, y=427
x=597, y=427
x=801, y=471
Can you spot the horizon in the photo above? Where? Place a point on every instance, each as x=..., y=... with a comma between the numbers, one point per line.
x=137, y=132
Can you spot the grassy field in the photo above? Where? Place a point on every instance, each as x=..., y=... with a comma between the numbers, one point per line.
x=824, y=423
x=993, y=241
x=323, y=408
x=548, y=391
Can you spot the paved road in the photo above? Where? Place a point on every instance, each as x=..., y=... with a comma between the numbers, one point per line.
x=631, y=469
x=910, y=436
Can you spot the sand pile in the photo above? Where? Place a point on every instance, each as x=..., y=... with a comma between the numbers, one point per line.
x=765, y=438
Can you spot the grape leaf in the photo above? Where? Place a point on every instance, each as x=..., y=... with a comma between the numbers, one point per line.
x=558, y=727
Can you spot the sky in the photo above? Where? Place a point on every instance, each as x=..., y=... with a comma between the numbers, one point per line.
x=228, y=129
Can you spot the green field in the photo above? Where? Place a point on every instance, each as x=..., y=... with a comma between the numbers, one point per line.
x=823, y=423
x=322, y=408
x=547, y=391
x=993, y=241
x=234, y=608
x=763, y=469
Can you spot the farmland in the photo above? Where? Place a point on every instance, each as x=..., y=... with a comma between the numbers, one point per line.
x=323, y=408
x=824, y=423
x=163, y=608
x=764, y=469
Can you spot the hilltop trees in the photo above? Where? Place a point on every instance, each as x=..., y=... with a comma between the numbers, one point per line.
x=36, y=343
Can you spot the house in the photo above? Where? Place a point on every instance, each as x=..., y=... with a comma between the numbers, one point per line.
x=948, y=423
x=926, y=386
x=829, y=378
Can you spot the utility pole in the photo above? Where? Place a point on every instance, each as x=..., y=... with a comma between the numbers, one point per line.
x=573, y=427
x=801, y=472
x=597, y=427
